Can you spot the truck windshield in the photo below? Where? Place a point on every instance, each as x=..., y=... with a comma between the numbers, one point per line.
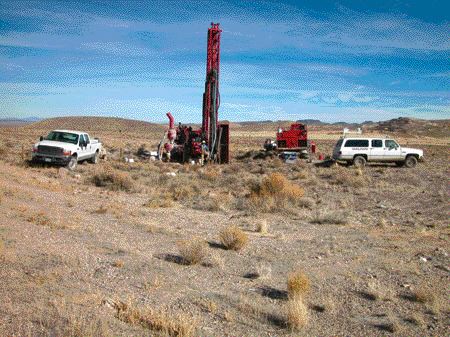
x=65, y=137
x=339, y=144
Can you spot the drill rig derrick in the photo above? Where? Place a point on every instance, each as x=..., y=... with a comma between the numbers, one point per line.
x=187, y=144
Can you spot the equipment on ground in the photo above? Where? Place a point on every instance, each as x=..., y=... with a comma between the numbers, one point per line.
x=183, y=144
x=294, y=139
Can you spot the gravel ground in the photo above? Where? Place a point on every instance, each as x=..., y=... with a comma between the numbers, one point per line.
x=73, y=251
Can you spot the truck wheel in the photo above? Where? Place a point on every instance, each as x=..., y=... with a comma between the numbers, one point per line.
x=72, y=163
x=410, y=161
x=359, y=161
x=94, y=159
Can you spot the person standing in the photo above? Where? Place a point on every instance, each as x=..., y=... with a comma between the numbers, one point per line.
x=205, y=153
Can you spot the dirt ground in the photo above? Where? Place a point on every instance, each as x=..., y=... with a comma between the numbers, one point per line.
x=99, y=251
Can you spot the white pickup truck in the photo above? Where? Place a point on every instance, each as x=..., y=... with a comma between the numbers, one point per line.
x=359, y=150
x=66, y=147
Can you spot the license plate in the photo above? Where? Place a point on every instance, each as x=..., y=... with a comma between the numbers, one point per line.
x=48, y=160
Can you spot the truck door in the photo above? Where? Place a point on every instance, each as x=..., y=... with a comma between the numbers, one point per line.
x=88, y=145
x=82, y=153
x=392, y=151
x=376, y=150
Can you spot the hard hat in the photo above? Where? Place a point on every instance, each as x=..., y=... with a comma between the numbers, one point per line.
x=203, y=142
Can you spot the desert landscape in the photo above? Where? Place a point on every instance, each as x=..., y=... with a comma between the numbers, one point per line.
x=257, y=247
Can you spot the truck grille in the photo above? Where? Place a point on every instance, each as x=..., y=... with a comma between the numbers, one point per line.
x=49, y=150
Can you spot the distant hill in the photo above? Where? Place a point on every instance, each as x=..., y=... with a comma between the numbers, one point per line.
x=407, y=126
x=18, y=121
x=311, y=122
x=97, y=124
x=414, y=127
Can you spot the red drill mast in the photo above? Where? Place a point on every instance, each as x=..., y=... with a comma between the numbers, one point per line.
x=183, y=143
x=211, y=97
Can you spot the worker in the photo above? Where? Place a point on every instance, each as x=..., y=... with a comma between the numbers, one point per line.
x=167, y=149
x=205, y=153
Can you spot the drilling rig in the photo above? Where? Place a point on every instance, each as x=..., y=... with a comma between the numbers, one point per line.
x=183, y=144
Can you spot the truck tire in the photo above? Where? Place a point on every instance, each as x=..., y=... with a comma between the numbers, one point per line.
x=72, y=164
x=94, y=159
x=359, y=161
x=410, y=161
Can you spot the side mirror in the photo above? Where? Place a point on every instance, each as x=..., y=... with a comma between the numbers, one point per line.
x=41, y=138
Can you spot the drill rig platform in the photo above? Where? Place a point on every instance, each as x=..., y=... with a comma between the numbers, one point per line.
x=183, y=144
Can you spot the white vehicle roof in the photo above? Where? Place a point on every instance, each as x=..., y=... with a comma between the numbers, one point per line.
x=365, y=137
x=70, y=131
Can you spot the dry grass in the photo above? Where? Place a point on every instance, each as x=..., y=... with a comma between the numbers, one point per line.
x=163, y=200
x=210, y=174
x=275, y=193
x=332, y=217
x=233, y=238
x=2, y=248
x=392, y=325
x=417, y=319
x=352, y=177
x=42, y=219
x=101, y=210
x=211, y=203
x=279, y=186
x=192, y=251
x=297, y=315
x=78, y=325
x=118, y=264
x=262, y=271
x=375, y=291
x=298, y=284
x=163, y=322
x=262, y=227
x=423, y=294
x=113, y=180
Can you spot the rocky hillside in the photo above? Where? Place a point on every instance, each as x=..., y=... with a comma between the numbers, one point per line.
x=415, y=127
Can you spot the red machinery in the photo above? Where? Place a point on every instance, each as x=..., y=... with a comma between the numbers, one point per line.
x=184, y=143
x=295, y=140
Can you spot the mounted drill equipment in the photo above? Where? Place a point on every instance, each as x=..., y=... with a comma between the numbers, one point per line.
x=183, y=144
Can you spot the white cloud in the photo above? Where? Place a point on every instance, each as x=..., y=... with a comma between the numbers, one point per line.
x=117, y=48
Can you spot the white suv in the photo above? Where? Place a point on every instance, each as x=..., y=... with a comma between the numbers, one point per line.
x=358, y=151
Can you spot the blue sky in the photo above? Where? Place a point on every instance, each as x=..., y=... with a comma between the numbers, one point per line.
x=327, y=60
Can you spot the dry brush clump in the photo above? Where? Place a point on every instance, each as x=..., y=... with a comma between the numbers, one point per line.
x=352, y=177
x=298, y=285
x=424, y=294
x=160, y=200
x=233, y=238
x=262, y=227
x=163, y=322
x=297, y=315
x=192, y=251
x=113, y=179
x=274, y=193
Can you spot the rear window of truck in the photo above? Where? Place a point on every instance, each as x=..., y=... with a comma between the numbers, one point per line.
x=357, y=143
